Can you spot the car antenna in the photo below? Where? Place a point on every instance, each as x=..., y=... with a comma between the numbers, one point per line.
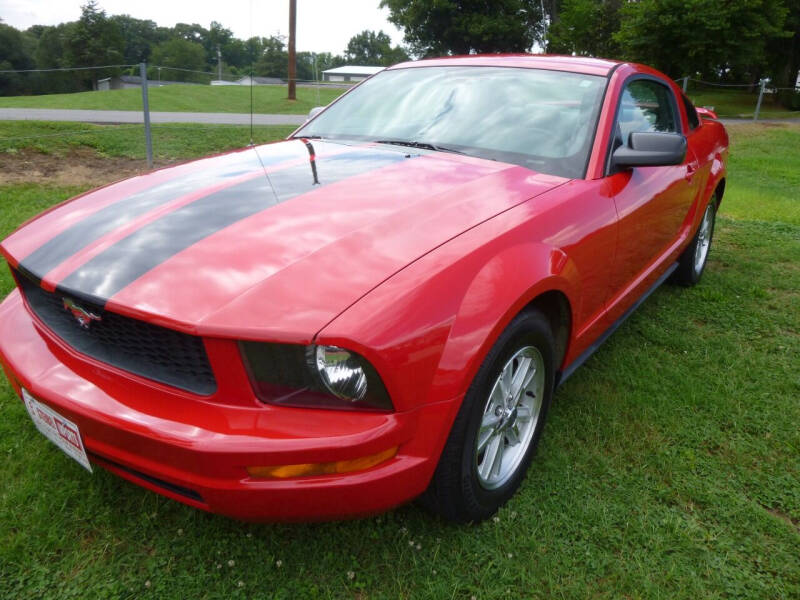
x=251, y=76
x=252, y=143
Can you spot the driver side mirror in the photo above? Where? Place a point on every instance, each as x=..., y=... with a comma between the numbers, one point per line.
x=314, y=112
x=650, y=149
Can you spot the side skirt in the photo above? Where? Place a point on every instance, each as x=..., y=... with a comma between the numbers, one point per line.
x=573, y=366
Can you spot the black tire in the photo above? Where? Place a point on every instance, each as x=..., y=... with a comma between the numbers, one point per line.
x=455, y=491
x=689, y=269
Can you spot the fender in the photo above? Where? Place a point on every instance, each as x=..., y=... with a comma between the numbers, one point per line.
x=500, y=290
x=717, y=156
x=479, y=282
x=449, y=307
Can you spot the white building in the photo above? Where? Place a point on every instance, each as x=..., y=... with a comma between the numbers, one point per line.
x=246, y=81
x=123, y=82
x=350, y=73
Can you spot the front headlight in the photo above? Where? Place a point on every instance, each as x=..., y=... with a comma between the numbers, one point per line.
x=314, y=376
x=341, y=372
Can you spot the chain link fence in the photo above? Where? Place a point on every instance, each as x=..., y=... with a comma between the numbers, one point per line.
x=234, y=95
x=753, y=101
x=238, y=95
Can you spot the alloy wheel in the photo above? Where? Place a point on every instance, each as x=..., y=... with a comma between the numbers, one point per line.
x=510, y=417
x=704, y=239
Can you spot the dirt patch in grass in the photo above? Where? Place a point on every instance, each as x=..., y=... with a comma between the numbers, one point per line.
x=741, y=130
x=78, y=167
x=783, y=517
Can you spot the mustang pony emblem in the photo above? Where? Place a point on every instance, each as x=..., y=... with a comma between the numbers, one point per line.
x=82, y=316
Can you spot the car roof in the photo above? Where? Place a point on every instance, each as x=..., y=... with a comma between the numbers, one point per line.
x=552, y=62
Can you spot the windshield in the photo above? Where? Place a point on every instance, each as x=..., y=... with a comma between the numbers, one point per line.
x=542, y=120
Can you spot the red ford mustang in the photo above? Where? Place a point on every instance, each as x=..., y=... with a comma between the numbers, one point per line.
x=375, y=309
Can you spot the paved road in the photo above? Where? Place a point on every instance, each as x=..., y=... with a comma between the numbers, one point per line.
x=133, y=116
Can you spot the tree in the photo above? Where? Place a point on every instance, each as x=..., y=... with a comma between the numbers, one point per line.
x=326, y=60
x=370, y=48
x=191, y=33
x=236, y=54
x=585, y=28
x=218, y=37
x=310, y=65
x=437, y=27
x=94, y=40
x=274, y=59
x=305, y=66
x=784, y=56
x=711, y=38
x=181, y=54
x=254, y=48
x=14, y=55
x=139, y=37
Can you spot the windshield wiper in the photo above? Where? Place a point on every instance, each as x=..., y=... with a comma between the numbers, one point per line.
x=420, y=145
x=306, y=137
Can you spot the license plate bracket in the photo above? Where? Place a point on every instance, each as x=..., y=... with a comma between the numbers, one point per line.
x=59, y=430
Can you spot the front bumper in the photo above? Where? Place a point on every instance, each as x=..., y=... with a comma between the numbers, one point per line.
x=197, y=451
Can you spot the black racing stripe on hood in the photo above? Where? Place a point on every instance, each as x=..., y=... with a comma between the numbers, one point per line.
x=118, y=214
x=123, y=263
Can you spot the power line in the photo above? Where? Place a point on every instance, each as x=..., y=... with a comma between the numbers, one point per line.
x=64, y=69
x=724, y=84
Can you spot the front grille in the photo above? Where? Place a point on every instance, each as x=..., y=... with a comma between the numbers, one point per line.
x=163, y=355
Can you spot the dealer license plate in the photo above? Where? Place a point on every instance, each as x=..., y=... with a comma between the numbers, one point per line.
x=62, y=432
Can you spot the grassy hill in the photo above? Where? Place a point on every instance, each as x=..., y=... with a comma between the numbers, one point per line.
x=738, y=103
x=267, y=99
x=271, y=99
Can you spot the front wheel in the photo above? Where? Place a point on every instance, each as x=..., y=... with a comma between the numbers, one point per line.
x=498, y=426
x=693, y=260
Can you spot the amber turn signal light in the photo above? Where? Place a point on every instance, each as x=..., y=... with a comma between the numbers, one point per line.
x=307, y=469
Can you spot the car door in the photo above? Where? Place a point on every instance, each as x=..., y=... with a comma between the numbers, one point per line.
x=652, y=203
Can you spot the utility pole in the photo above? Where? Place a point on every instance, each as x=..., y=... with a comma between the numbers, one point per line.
x=292, y=55
x=219, y=63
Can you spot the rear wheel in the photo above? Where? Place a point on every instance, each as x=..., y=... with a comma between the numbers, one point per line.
x=693, y=260
x=498, y=426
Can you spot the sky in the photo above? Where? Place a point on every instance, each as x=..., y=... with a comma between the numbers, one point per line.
x=322, y=25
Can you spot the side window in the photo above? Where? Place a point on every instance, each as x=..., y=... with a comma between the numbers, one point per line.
x=646, y=106
x=691, y=113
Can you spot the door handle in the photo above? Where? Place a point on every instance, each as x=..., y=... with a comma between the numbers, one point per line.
x=691, y=169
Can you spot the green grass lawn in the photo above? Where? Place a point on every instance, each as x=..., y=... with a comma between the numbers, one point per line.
x=765, y=173
x=670, y=466
x=271, y=99
x=736, y=103
x=267, y=99
x=170, y=140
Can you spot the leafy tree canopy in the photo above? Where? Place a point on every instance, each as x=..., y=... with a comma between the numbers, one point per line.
x=95, y=40
x=13, y=55
x=439, y=27
x=709, y=37
x=140, y=37
x=585, y=28
x=181, y=54
x=370, y=48
x=737, y=41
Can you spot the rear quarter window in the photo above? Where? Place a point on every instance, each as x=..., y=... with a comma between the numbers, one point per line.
x=691, y=113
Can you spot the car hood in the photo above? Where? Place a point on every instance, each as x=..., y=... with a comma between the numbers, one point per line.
x=269, y=242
